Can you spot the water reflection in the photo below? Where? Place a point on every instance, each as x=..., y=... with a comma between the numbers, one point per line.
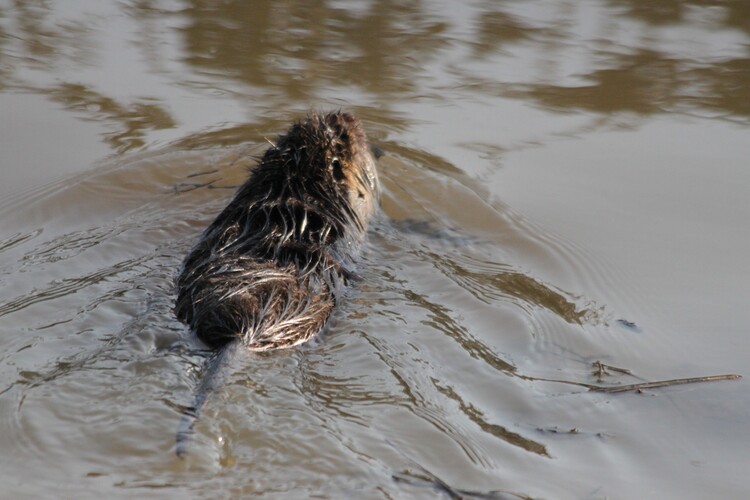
x=441, y=319
x=642, y=83
x=495, y=28
x=299, y=47
x=490, y=282
x=649, y=82
x=732, y=13
x=132, y=121
x=500, y=432
x=382, y=48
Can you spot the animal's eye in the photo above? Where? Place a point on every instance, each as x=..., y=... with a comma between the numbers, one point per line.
x=338, y=173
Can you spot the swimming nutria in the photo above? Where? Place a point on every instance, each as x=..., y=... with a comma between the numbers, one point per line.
x=267, y=272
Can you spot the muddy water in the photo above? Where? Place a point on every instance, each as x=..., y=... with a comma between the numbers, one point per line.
x=564, y=183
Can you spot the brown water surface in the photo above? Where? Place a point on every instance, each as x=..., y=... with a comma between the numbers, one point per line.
x=564, y=183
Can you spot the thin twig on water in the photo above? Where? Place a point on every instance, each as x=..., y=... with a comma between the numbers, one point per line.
x=639, y=386
x=662, y=383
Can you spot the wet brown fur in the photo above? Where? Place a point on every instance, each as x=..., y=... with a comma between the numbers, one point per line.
x=269, y=269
